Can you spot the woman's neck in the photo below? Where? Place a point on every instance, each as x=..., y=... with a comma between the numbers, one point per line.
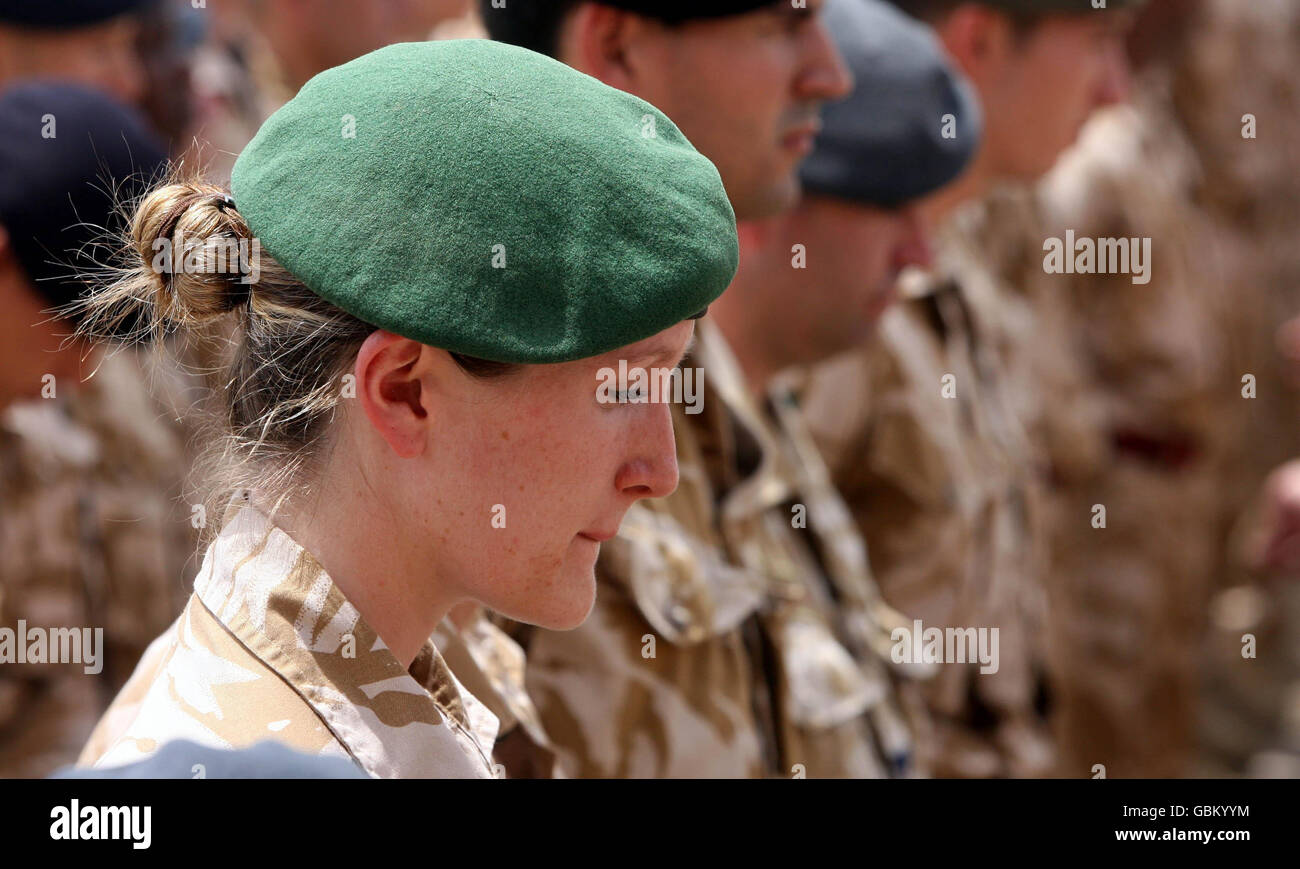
x=355, y=539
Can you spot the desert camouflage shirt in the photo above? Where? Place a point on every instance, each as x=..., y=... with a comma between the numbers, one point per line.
x=269, y=648
x=737, y=630
x=92, y=536
x=1130, y=600
x=925, y=432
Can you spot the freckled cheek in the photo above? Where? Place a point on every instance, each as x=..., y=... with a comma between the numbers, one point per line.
x=579, y=468
x=531, y=461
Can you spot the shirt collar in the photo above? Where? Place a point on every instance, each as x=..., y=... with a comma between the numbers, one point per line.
x=764, y=486
x=278, y=601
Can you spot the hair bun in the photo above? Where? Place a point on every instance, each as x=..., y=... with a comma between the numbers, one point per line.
x=197, y=248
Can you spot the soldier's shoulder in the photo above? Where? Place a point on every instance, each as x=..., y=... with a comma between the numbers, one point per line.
x=205, y=686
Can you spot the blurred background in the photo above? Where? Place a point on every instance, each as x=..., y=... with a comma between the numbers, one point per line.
x=1209, y=463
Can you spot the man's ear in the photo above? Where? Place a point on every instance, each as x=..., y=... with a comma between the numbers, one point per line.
x=594, y=40
x=392, y=382
x=756, y=236
x=978, y=39
x=9, y=267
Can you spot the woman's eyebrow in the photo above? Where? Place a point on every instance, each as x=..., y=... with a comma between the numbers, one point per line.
x=660, y=353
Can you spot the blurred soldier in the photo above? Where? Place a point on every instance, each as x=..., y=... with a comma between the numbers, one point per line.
x=926, y=429
x=260, y=52
x=91, y=42
x=1132, y=583
x=1193, y=405
x=743, y=79
x=737, y=630
x=1230, y=81
x=90, y=531
x=170, y=33
x=461, y=22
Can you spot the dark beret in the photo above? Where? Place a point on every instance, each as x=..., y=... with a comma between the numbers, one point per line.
x=59, y=14
x=488, y=200
x=670, y=11
x=911, y=124
x=266, y=759
x=536, y=24
x=66, y=154
x=1051, y=6
x=1037, y=6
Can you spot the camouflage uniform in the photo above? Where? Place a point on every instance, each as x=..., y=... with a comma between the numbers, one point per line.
x=940, y=478
x=736, y=630
x=491, y=666
x=1239, y=59
x=238, y=84
x=268, y=647
x=1129, y=601
x=92, y=537
x=1168, y=359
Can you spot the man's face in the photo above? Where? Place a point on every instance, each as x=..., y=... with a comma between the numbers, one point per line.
x=331, y=32
x=102, y=56
x=1052, y=79
x=746, y=91
x=33, y=346
x=854, y=254
x=328, y=33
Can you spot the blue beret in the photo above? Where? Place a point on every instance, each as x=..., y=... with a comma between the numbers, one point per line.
x=891, y=140
x=264, y=760
x=64, y=13
x=64, y=150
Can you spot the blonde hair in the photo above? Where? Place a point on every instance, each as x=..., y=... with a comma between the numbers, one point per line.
x=281, y=349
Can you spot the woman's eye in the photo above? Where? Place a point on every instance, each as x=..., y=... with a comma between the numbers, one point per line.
x=632, y=395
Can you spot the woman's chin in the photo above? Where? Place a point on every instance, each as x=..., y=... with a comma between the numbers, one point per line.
x=566, y=604
x=575, y=594
x=580, y=586
x=567, y=622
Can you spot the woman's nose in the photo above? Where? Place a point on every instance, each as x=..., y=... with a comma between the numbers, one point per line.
x=652, y=472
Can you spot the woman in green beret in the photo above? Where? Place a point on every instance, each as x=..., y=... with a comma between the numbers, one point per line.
x=429, y=261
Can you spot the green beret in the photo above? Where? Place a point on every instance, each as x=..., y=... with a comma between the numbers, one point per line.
x=488, y=200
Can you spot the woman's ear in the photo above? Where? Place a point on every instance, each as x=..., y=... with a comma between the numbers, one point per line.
x=392, y=375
